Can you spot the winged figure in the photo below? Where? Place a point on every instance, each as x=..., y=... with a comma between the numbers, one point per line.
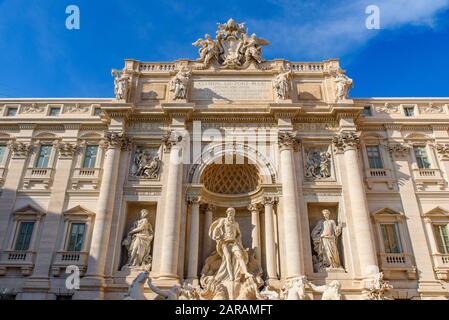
x=208, y=51
x=251, y=48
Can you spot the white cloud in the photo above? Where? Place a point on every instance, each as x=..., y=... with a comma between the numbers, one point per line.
x=318, y=29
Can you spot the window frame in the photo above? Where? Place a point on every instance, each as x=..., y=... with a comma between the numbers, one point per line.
x=427, y=154
x=69, y=233
x=83, y=160
x=379, y=151
x=26, y=214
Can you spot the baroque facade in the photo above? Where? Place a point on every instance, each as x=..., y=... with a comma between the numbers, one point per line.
x=225, y=177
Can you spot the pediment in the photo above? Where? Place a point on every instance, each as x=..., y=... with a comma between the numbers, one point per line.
x=437, y=212
x=79, y=211
x=28, y=209
x=386, y=211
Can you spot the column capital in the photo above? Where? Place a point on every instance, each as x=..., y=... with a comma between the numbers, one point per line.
x=210, y=208
x=399, y=150
x=346, y=140
x=116, y=140
x=20, y=150
x=171, y=138
x=254, y=207
x=193, y=199
x=67, y=150
x=442, y=150
x=288, y=140
x=270, y=200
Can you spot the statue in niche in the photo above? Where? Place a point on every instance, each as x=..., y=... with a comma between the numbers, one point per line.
x=376, y=288
x=122, y=83
x=281, y=85
x=343, y=85
x=324, y=236
x=145, y=165
x=180, y=84
x=329, y=292
x=318, y=164
x=230, y=267
x=138, y=242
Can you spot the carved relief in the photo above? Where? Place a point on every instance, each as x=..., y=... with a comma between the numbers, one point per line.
x=77, y=108
x=399, y=149
x=318, y=164
x=147, y=163
x=432, y=109
x=33, y=108
x=387, y=108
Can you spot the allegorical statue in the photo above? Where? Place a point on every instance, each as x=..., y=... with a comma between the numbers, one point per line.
x=294, y=289
x=251, y=48
x=324, y=236
x=209, y=50
x=138, y=241
x=376, y=288
x=180, y=84
x=343, y=85
x=122, y=83
x=329, y=292
x=226, y=232
x=281, y=85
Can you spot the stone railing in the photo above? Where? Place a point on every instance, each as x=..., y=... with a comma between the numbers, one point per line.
x=394, y=260
x=309, y=67
x=148, y=67
x=38, y=175
x=23, y=260
x=377, y=173
x=422, y=176
x=441, y=265
x=63, y=259
x=86, y=177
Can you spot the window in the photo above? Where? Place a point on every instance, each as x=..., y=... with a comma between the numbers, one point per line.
x=23, y=239
x=2, y=153
x=367, y=111
x=421, y=157
x=54, y=112
x=409, y=111
x=43, y=156
x=442, y=235
x=374, y=157
x=390, y=235
x=76, y=237
x=90, y=157
x=11, y=112
x=97, y=112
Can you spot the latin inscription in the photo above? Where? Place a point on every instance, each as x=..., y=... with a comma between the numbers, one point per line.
x=222, y=90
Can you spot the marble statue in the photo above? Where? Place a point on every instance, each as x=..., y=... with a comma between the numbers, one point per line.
x=376, y=288
x=281, y=85
x=146, y=166
x=329, y=292
x=138, y=242
x=343, y=85
x=136, y=289
x=294, y=289
x=122, y=83
x=176, y=292
x=324, y=236
x=209, y=50
x=180, y=84
x=226, y=232
x=318, y=164
x=233, y=48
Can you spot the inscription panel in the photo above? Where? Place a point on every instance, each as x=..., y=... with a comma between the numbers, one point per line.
x=228, y=90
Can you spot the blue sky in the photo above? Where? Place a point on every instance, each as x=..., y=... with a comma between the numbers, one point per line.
x=408, y=56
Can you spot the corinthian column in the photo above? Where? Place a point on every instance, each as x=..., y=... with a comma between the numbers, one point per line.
x=172, y=212
x=114, y=142
x=192, y=269
x=208, y=243
x=288, y=143
x=348, y=142
x=270, y=245
x=255, y=231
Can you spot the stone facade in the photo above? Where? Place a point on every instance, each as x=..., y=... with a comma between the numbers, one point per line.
x=120, y=186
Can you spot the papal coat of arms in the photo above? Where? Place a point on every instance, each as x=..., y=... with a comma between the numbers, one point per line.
x=233, y=48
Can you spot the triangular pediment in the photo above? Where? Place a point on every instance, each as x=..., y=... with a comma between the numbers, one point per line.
x=437, y=212
x=28, y=209
x=385, y=211
x=79, y=210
